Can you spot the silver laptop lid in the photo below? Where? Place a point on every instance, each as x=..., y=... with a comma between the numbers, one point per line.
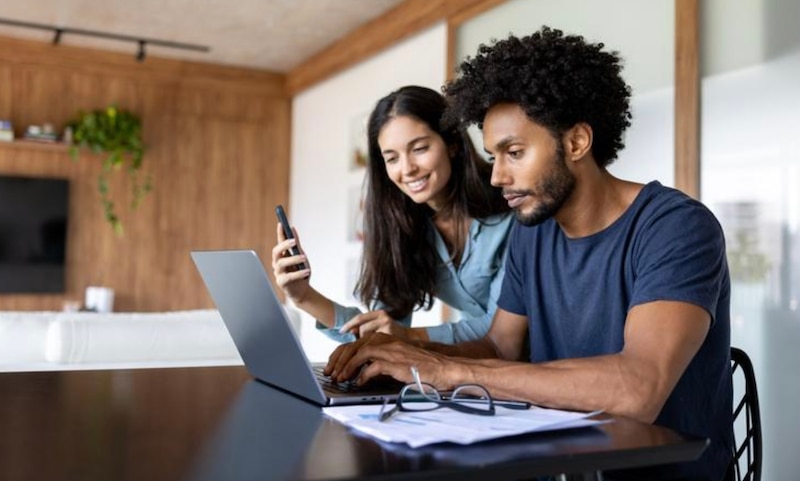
x=257, y=321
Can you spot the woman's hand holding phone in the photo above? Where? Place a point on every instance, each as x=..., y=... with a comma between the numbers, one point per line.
x=289, y=263
x=288, y=233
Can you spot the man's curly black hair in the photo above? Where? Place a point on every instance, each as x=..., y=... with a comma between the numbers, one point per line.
x=558, y=80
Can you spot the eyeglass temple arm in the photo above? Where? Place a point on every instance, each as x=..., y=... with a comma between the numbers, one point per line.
x=465, y=408
x=518, y=405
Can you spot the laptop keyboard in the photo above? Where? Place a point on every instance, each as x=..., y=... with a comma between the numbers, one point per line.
x=327, y=383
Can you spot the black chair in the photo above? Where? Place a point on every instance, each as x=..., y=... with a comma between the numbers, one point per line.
x=746, y=462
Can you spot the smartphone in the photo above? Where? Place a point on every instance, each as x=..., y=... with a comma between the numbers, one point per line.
x=287, y=231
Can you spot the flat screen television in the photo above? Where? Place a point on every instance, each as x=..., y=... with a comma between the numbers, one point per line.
x=33, y=234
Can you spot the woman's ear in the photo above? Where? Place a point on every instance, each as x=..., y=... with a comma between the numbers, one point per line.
x=578, y=141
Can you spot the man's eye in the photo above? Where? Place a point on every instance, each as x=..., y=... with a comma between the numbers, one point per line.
x=515, y=154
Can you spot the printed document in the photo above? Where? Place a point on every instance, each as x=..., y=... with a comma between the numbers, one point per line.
x=421, y=428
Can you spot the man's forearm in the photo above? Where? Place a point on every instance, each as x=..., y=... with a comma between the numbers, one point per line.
x=608, y=383
x=479, y=349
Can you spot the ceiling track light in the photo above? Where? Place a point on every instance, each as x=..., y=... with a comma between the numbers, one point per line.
x=141, y=42
x=141, y=54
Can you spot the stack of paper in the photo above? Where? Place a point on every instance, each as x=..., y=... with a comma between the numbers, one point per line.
x=445, y=425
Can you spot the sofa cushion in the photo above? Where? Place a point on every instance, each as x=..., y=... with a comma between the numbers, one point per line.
x=22, y=335
x=120, y=337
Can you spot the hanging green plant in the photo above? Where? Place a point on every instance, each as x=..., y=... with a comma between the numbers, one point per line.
x=117, y=133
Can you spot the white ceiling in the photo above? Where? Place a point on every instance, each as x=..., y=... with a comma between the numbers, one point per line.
x=275, y=35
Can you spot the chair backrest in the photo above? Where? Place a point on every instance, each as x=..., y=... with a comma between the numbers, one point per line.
x=746, y=462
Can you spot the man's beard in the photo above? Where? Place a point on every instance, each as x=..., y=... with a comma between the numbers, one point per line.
x=553, y=192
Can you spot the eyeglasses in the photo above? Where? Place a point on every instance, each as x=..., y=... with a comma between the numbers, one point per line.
x=466, y=398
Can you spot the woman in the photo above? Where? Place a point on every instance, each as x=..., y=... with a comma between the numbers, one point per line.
x=433, y=227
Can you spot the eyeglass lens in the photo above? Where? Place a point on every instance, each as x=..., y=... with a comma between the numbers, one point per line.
x=412, y=399
x=474, y=396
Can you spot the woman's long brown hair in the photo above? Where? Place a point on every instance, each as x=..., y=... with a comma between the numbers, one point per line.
x=399, y=263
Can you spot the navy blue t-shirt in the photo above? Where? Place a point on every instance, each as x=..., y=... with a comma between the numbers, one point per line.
x=576, y=294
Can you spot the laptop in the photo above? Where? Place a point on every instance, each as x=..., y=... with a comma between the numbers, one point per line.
x=262, y=333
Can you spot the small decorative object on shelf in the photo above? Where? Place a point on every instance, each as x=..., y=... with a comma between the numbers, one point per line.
x=66, y=137
x=117, y=133
x=99, y=299
x=6, y=131
x=43, y=133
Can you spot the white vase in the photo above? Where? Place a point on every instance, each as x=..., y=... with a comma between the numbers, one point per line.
x=99, y=299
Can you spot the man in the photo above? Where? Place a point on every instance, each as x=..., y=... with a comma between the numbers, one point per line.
x=621, y=289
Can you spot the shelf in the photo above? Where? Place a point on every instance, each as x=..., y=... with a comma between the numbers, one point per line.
x=32, y=144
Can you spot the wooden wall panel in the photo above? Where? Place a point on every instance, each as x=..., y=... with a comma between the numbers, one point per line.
x=217, y=150
x=687, y=97
x=5, y=79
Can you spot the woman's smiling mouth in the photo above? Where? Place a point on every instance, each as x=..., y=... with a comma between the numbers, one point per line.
x=418, y=185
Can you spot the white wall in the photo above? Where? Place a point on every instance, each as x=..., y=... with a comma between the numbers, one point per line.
x=323, y=120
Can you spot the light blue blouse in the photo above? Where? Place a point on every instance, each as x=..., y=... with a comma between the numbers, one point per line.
x=472, y=289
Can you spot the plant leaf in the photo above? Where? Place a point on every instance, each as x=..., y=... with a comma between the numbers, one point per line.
x=116, y=132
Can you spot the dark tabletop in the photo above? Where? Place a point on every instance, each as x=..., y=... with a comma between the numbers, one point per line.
x=217, y=424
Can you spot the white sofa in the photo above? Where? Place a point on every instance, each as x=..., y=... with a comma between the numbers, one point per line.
x=36, y=341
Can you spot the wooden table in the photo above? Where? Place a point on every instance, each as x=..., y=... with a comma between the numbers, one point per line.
x=217, y=424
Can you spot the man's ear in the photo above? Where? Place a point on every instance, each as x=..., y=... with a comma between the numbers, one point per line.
x=578, y=141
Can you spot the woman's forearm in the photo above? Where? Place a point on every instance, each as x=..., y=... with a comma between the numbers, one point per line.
x=319, y=307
